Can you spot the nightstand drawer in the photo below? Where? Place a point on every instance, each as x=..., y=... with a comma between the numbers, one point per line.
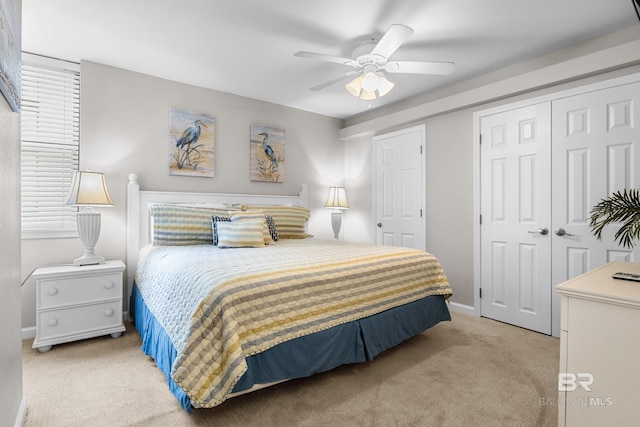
x=74, y=290
x=79, y=320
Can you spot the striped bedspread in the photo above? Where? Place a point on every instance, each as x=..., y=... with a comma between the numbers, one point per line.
x=219, y=306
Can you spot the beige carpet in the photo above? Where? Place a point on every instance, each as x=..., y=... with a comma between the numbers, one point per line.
x=468, y=372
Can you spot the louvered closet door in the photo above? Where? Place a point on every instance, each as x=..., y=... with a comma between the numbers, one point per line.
x=596, y=151
x=516, y=216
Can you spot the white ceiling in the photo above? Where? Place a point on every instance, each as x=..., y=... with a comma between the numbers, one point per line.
x=246, y=47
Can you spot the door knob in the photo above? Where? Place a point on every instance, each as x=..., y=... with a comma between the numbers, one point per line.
x=379, y=225
x=561, y=232
x=541, y=231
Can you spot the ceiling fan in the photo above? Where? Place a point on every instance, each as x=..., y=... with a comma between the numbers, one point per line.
x=371, y=59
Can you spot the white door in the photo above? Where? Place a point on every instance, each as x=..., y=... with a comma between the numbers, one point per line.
x=516, y=216
x=592, y=149
x=596, y=151
x=399, y=188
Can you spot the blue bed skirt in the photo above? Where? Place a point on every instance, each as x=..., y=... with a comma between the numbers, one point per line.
x=356, y=341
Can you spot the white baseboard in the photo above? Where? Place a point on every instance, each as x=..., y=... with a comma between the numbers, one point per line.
x=21, y=416
x=461, y=308
x=29, y=332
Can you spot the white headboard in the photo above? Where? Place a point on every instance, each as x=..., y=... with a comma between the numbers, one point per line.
x=138, y=219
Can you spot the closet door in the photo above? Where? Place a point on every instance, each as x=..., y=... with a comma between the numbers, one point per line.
x=516, y=217
x=595, y=152
x=400, y=188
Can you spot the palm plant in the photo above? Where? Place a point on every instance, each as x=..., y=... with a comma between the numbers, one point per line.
x=623, y=207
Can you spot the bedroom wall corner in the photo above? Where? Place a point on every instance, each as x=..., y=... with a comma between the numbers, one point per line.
x=358, y=181
x=450, y=199
x=12, y=399
x=11, y=348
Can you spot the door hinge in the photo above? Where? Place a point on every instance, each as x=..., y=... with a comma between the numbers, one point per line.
x=421, y=149
x=480, y=139
x=420, y=213
x=481, y=293
x=481, y=219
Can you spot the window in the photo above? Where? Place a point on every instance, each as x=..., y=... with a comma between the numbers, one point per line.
x=50, y=145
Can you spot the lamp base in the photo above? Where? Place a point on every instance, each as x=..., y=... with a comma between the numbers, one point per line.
x=88, y=221
x=336, y=223
x=88, y=259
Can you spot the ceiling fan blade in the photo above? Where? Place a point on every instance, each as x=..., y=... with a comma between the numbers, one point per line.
x=418, y=67
x=392, y=40
x=326, y=58
x=333, y=80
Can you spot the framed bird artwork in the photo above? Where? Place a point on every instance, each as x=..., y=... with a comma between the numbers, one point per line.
x=10, y=59
x=191, y=144
x=267, y=153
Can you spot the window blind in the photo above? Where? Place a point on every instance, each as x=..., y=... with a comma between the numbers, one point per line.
x=50, y=127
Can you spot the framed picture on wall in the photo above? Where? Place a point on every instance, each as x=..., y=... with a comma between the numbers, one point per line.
x=10, y=46
x=191, y=144
x=267, y=153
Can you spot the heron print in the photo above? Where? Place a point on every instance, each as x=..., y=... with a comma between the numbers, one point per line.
x=267, y=153
x=191, y=144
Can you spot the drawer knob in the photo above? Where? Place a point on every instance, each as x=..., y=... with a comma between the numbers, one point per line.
x=52, y=291
x=52, y=322
x=109, y=285
x=108, y=312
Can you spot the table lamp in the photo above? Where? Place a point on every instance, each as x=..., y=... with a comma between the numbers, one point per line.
x=337, y=200
x=88, y=189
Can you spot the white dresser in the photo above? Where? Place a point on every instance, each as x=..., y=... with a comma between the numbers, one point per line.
x=74, y=303
x=599, y=381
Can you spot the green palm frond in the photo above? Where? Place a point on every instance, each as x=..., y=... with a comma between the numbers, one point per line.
x=621, y=207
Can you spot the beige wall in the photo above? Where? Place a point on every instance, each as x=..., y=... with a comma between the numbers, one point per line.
x=12, y=402
x=125, y=129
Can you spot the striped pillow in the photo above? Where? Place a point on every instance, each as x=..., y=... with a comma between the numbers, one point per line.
x=290, y=220
x=178, y=225
x=254, y=215
x=244, y=234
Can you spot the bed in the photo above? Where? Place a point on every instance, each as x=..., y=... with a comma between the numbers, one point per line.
x=253, y=300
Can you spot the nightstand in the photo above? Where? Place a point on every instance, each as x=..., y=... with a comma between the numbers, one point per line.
x=74, y=303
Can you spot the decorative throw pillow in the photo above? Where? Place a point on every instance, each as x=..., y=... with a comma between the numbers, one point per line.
x=245, y=234
x=214, y=222
x=176, y=225
x=273, y=231
x=253, y=215
x=290, y=220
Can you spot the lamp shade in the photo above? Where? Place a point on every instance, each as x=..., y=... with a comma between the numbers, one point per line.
x=384, y=85
x=367, y=95
x=337, y=198
x=88, y=189
x=370, y=82
x=355, y=86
